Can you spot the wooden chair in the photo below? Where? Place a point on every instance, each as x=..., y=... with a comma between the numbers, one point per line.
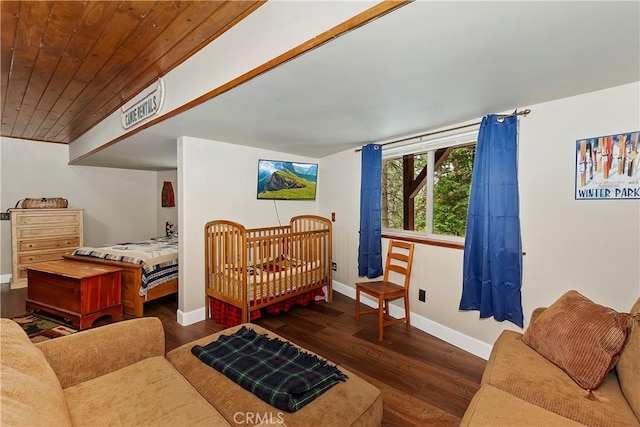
x=399, y=260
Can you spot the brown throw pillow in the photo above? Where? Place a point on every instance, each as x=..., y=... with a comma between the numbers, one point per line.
x=581, y=337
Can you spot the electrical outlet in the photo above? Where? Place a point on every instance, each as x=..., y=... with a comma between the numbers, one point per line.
x=334, y=266
x=5, y=216
x=422, y=295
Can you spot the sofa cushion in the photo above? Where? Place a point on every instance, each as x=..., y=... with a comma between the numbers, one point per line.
x=491, y=406
x=149, y=392
x=628, y=366
x=31, y=392
x=354, y=402
x=581, y=337
x=519, y=370
x=94, y=352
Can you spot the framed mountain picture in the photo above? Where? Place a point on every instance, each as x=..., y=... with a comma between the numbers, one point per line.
x=282, y=180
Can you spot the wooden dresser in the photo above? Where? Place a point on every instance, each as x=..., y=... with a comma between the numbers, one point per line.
x=39, y=235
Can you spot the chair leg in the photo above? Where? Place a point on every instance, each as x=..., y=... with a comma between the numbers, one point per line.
x=357, y=306
x=407, y=311
x=381, y=304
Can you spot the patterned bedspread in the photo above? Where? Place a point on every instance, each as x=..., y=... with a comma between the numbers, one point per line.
x=158, y=257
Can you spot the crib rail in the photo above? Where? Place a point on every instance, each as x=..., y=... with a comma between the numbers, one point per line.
x=224, y=241
x=254, y=268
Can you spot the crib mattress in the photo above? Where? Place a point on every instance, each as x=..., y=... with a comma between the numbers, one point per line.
x=262, y=283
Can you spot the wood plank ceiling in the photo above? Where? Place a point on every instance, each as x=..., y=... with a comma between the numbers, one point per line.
x=66, y=65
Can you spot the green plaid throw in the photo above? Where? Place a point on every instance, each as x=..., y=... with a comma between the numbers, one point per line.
x=274, y=370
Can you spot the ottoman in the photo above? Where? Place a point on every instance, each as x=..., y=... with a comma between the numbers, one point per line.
x=354, y=402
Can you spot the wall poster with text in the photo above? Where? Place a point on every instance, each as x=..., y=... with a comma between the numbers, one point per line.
x=608, y=167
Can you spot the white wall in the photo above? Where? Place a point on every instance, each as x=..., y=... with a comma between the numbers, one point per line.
x=118, y=204
x=168, y=213
x=590, y=246
x=339, y=189
x=217, y=180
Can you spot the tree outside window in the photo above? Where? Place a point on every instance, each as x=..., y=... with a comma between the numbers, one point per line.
x=407, y=203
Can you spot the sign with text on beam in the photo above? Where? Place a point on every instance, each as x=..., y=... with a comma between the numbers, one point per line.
x=143, y=108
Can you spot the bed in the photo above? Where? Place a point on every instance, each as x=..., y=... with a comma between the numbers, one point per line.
x=150, y=268
x=251, y=269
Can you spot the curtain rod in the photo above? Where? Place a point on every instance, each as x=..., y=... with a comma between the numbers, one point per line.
x=500, y=117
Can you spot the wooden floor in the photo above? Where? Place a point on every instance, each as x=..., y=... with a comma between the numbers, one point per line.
x=424, y=381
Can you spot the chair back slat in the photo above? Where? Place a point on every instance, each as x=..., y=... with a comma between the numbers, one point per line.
x=400, y=257
x=399, y=260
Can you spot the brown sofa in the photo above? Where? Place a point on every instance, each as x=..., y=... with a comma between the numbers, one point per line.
x=521, y=388
x=118, y=375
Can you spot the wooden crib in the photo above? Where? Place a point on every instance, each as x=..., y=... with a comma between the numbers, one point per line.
x=254, y=268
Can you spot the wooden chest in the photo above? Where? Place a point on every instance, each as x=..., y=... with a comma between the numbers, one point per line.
x=77, y=291
x=39, y=235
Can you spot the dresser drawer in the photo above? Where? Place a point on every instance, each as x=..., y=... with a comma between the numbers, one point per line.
x=27, y=233
x=22, y=273
x=43, y=218
x=27, y=258
x=37, y=245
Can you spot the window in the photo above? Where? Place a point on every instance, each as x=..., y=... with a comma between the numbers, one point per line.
x=425, y=186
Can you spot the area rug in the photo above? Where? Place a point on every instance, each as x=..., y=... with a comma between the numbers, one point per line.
x=42, y=328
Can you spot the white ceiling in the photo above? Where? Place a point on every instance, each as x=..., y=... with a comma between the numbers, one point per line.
x=426, y=65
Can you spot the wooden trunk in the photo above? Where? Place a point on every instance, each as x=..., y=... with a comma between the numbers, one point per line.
x=132, y=301
x=76, y=291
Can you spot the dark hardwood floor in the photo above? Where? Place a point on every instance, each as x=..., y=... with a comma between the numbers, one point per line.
x=424, y=381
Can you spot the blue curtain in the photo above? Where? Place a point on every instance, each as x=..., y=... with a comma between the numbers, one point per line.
x=370, y=248
x=492, y=275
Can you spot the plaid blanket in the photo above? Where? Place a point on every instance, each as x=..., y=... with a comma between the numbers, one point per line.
x=274, y=370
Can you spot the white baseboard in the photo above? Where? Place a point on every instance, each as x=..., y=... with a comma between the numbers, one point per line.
x=453, y=337
x=190, y=317
x=5, y=278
